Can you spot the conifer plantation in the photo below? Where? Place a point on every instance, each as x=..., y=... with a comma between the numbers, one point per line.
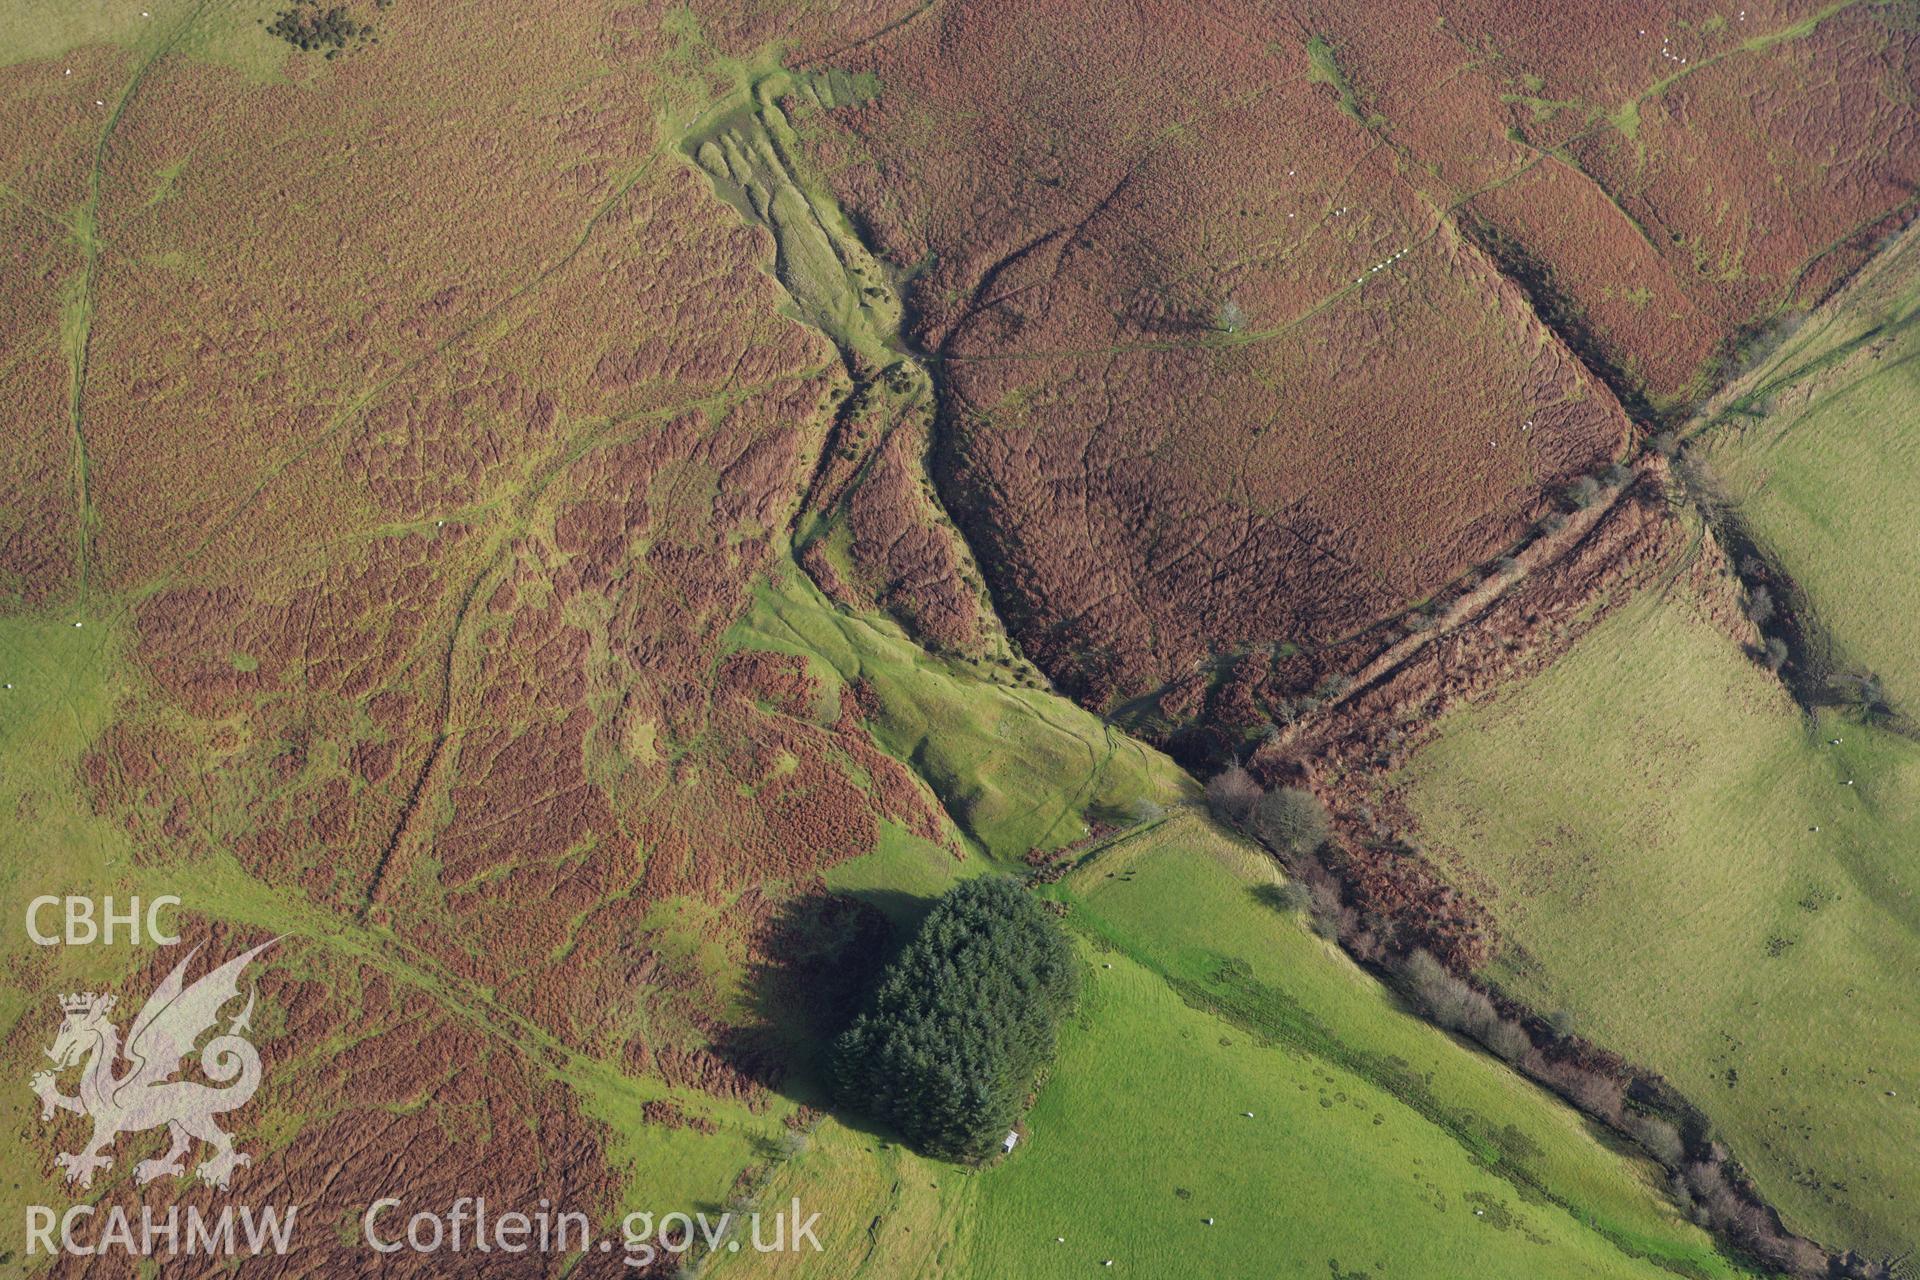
x=961, y=1022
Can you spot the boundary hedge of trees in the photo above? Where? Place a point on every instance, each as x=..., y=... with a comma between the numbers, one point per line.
x=1704, y=1178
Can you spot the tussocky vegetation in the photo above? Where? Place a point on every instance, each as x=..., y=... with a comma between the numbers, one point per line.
x=587, y=520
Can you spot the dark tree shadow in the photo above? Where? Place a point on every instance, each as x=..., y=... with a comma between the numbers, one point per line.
x=810, y=967
x=1284, y=898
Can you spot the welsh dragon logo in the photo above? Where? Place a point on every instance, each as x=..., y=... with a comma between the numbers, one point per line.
x=142, y=1096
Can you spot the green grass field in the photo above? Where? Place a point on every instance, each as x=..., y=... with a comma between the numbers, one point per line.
x=1824, y=460
x=62, y=683
x=1675, y=856
x=228, y=35
x=1378, y=1146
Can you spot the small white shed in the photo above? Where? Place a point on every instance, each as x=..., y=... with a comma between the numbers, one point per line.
x=1013, y=1136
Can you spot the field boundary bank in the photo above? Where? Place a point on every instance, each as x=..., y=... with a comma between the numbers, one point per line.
x=1607, y=542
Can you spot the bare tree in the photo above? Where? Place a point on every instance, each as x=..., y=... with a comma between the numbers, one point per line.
x=1290, y=821
x=1232, y=794
x=1584, y=492
x=1866, y=694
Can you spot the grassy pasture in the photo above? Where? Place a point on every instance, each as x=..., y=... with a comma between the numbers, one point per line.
x=1821, y=457
x=219, y=32
x=1377, y=1146
x=1695, y=880
x=901, y=877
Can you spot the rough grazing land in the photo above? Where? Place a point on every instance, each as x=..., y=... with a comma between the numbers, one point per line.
x=406, y=433
x=1238, y=313
x=465, y=506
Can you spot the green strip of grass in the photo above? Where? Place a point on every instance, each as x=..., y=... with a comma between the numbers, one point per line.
x=1016, y=768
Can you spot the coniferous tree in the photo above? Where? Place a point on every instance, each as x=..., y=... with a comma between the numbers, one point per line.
x=962, y=1022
